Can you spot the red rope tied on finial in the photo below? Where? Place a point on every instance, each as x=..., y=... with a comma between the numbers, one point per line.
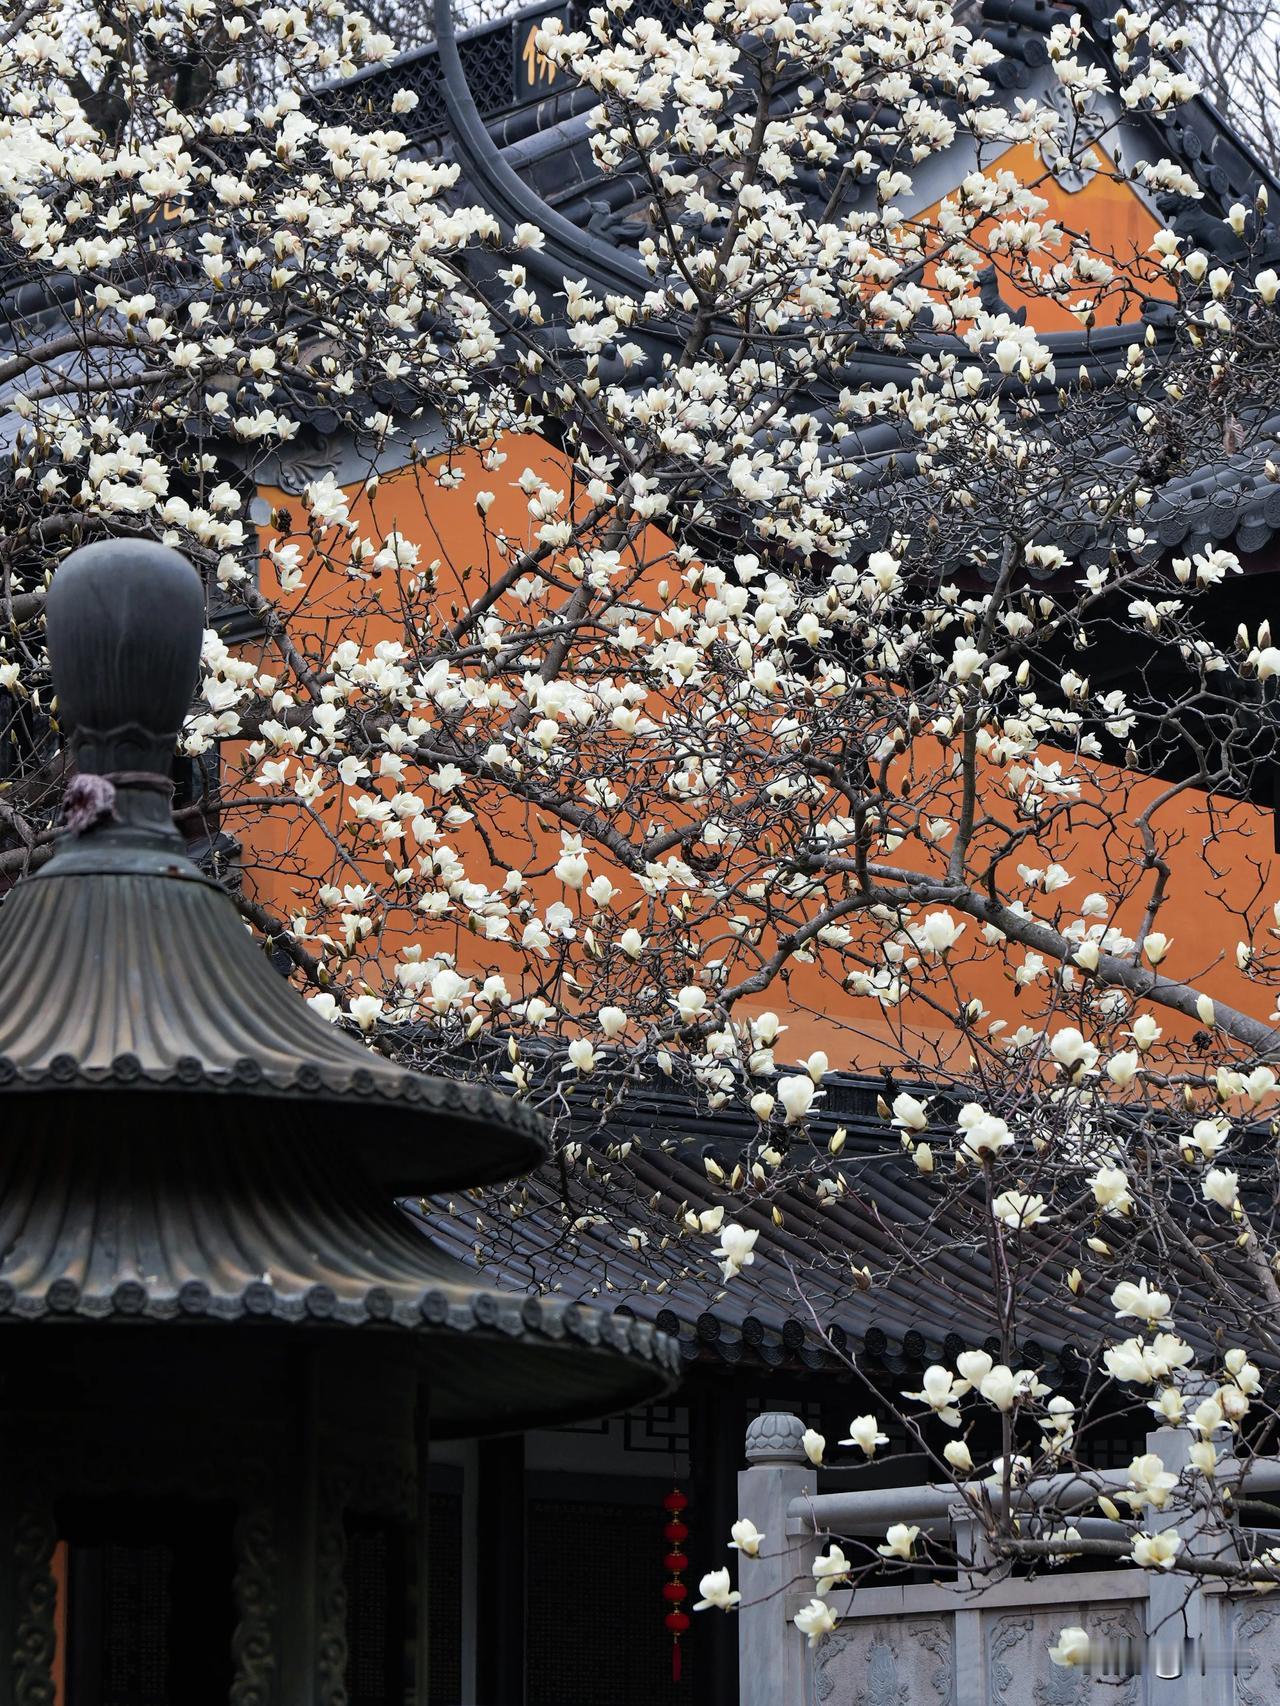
x=675, y=1533
x=88, y=801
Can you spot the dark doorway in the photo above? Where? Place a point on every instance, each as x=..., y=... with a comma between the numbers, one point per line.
x=150, y=1614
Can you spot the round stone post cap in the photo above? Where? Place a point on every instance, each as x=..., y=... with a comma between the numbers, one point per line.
x=776, y=1437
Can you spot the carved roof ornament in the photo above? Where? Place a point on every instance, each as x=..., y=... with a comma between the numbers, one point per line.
x=306, y=459
x=1073, y=165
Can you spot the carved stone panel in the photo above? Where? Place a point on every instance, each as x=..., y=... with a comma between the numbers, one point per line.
x=1253, y=1645
x=256, y=1588
x=1021, y=1673
x=35, y=1537
x=901, y=1661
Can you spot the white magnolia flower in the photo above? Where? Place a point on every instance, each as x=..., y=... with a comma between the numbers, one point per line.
x=796, y=1095
x=1207, y=1417
x=974, y=1366
x=1203, y=1456
x=581, y=1055
x=1245, y=1374
x=937, y=934
x=909, y=1113
x=1140, y=1301
x=830, y=1569
x=571, y=868
x=984, y=1133
x=612, y=1021
x=900, y=1541
x=1221, y=1186
x=1110, y=1186
x=365, y=1010
x=815, y=1620
x=1123, y=1067
x=1145, y=1031
x=1073, y=1051
x=1157, y=1551
x=1019, y=1210
x=958, y=1456
x=746, y=1537
x=864, y=1432
x=1208, y=1137
x=1128, y=1361
x=940, y=1391
x=1071, y=1649
x=1151, y=1482
x=737, y=1249
x=1168, y=1405
x=1259, y=1084
x=1234, y=1402
x=1000, y=1387
x=717, y=1592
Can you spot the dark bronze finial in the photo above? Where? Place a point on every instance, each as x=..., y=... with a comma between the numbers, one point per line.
x=125, y=619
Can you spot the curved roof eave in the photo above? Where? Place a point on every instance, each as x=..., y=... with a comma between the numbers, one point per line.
x=510, y=199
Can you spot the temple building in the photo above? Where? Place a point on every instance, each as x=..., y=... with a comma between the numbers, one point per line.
x=581, y=1511
x=562, y=1532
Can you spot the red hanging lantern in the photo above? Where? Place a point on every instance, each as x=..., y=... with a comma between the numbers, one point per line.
x=675, y=1592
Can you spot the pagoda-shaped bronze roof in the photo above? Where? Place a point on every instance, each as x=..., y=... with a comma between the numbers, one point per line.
x=130, y=970
x=190, y=1144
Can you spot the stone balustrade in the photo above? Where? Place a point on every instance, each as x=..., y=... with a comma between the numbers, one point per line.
x=980, y=1635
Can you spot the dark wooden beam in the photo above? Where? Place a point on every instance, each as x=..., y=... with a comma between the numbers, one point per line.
x=502, y=1562
x=717, y=1423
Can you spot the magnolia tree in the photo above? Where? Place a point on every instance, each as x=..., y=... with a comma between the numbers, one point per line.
x=764, y=684
x=1233, y=48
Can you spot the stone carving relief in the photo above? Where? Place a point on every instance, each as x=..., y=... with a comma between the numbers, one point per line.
x=904, y=1661
x=256, y=1578
x=1021, y=1673
x=37, y=1598
x=331, y=1553
x=1255, y=1650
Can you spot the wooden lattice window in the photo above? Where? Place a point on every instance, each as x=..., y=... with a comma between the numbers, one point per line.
x=592, y=1567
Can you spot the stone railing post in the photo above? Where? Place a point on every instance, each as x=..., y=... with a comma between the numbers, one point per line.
x=974, y=1560
x=771, y=1652
x=1178, y=1612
